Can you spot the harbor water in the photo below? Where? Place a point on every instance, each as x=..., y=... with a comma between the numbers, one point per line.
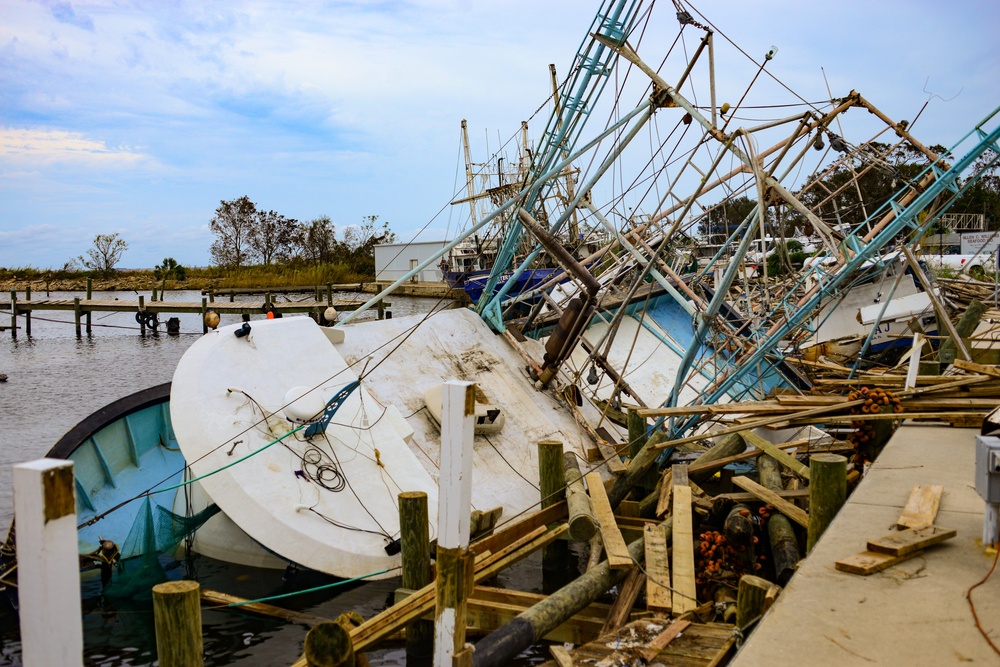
x=55, y=381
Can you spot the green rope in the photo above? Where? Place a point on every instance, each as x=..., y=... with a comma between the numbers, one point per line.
x=230, y=465
x=308, y=590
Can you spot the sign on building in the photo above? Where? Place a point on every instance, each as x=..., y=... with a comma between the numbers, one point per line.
x=974, y=242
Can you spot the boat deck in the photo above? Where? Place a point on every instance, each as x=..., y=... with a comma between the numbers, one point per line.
x=914, y=613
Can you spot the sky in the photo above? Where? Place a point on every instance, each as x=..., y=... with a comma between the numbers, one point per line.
x=138, y=118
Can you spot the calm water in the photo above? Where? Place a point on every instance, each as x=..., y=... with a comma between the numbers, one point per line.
x=55, y=381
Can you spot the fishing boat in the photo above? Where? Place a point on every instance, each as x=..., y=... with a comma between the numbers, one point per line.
x=132, y=502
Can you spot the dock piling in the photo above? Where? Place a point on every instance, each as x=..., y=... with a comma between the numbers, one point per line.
x=90, y=295
x=204, y=309
x=827, y=493
x=552, y=485
x=142, y=311
x=13, y=313
x=582, y=524
x=177, y=618
x=49, y=579
x=328, y=644
x=76, y=316
x=27, y=314
x=329, y=294
x=454, y=577
x=415, y=538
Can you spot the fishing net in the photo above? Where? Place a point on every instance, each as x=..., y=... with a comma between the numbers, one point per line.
x=155, y=531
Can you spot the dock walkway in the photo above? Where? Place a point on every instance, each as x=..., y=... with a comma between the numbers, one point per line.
x=83, y=308
x=914, y=613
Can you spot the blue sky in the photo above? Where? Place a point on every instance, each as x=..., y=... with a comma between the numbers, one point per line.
x=137, y=118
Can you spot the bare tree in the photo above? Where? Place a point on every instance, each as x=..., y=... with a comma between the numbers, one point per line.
x=105, y=255
x=316, y=240
x=233, y=225
x=272, y=237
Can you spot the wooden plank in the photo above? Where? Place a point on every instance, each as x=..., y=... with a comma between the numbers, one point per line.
x=561, y=655
x=869, y=562
x=244, y=605
x=685, y=592
x=614, y=544
x=680, y=474
x=628, y=593
x=657, y=570
x=666, y=493
x=793, y=512
x=742, y=497
x=922, y=506
x=982, y=369
x=902, y=542
x=610, y=456
x=661, y=640
x=515, y=531
x=775, y=453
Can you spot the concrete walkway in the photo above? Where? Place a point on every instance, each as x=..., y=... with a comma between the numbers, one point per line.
x=914, y=613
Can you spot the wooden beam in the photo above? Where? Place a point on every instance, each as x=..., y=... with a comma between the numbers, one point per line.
x=902, y=542
x=777, y=454
x=614, y=544
x=628, y=593
x=657, y=569
x=793, y=512
x=869, y=562
x=661, y=640
x=685, y=592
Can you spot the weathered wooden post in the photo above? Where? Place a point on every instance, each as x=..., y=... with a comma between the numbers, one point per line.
x=316, y=293
x=381, y=309
x=142, y=315
x=750, y=599
x=328, y=644
x=552, y=484
x=76, y=315
x=784, y=546
x=827, y=493
x=329, y=294
x=415, y=538
x=49, y=571
x=637, y=435
x=154, y=295
x=27, y=313
x=13, y=314
x=582, y=524
x=90, y=296
x=177, y=618
x=204, y=309
x=454, y=576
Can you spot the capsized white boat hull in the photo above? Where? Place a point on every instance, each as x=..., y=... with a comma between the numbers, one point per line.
x=329, y=502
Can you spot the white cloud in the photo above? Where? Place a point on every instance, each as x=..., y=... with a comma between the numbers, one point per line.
x=20, y=147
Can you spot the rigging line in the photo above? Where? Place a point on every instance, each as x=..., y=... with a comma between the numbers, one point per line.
x=509, y=464
x=309, y=590
x=738, y=48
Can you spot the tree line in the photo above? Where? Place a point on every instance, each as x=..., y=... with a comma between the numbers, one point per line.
x=246, y=235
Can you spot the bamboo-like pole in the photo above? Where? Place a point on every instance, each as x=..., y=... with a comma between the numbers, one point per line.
x=552, y=485
x=827, y=493
x=500, y=647
x=415, y=538
x=784, y=546
x=177, y=618
x=582, y=524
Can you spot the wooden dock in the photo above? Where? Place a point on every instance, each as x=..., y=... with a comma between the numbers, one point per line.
x=148, y=313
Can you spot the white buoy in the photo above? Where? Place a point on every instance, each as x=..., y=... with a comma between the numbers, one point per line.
x=211, y=319
x=330, y=314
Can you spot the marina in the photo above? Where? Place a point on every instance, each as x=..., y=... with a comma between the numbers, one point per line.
x=729, y=414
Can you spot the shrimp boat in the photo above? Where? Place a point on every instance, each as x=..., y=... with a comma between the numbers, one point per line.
x=330, y=424
x=304, y=435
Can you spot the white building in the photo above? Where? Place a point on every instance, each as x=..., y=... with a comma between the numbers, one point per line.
x=395, y=260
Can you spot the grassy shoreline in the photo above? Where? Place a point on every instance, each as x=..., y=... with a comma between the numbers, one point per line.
x=196, y=279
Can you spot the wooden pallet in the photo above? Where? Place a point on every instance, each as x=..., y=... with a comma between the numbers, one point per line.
x=698, y=645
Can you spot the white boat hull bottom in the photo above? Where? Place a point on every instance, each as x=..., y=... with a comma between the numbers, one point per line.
x=328, y=502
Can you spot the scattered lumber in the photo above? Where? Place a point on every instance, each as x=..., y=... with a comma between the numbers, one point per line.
x=685, y=595
x=794, y=513
x=614, y=544
x=902, y=542
x=922, y=506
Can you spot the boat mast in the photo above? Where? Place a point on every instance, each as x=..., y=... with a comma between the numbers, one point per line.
x=574, y=224
x=469, y=184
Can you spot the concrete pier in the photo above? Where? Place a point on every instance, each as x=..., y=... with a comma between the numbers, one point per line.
x=914, y=613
